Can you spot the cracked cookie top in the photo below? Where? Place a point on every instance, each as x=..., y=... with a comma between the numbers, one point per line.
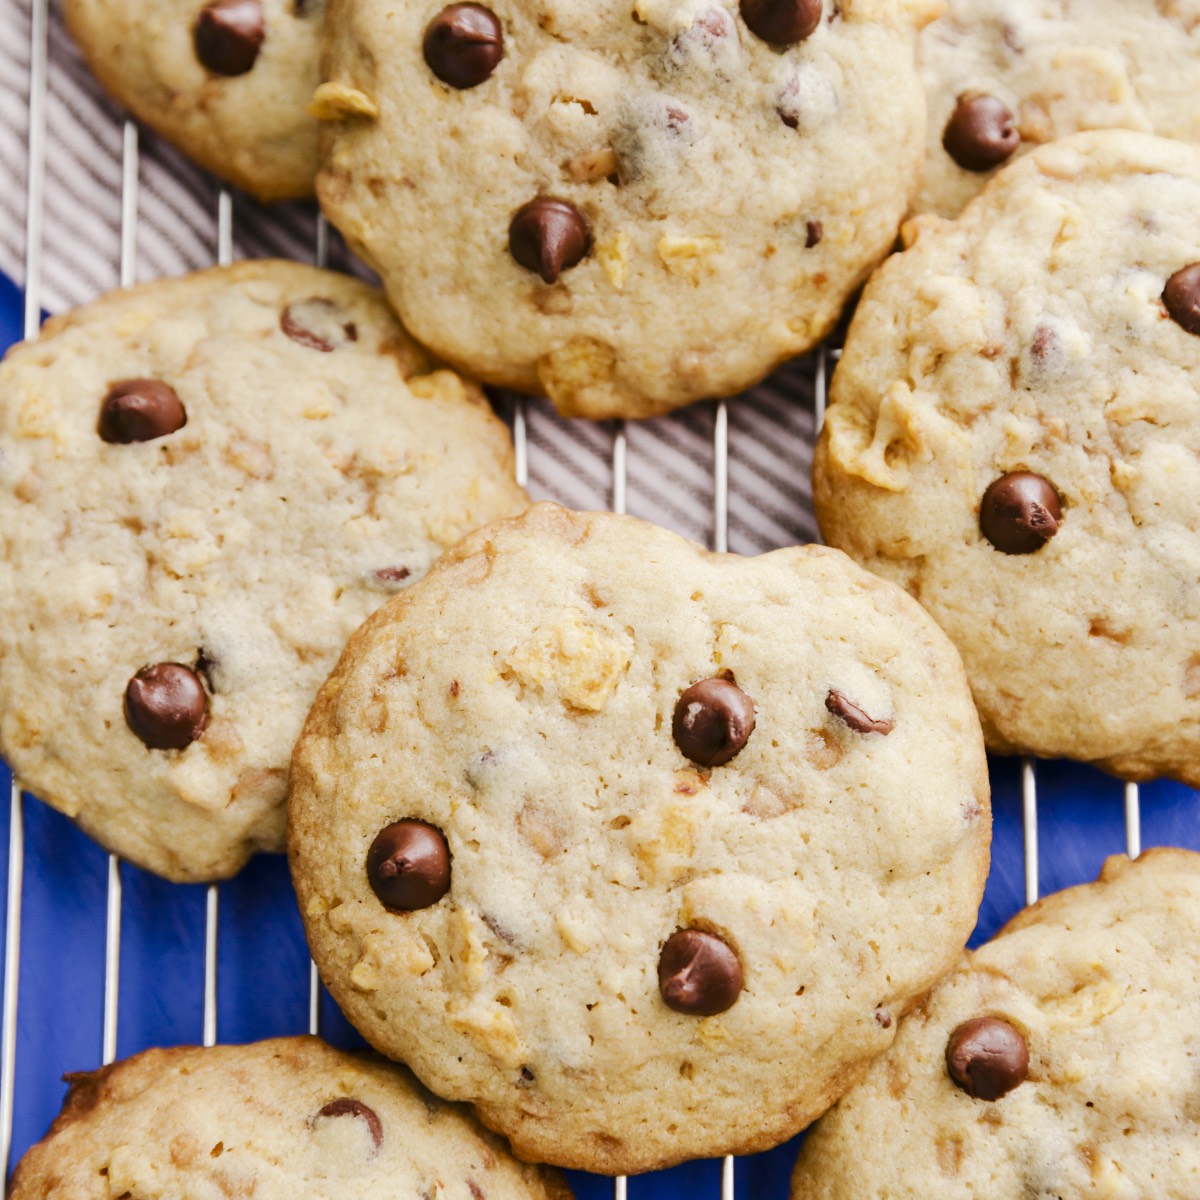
x=605, y=834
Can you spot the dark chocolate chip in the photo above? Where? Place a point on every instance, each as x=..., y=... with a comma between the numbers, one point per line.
x=527, y=1077
x=229, y=35
x=1045, y=344
x=710, y=38
x=1182, y=297
x=981, y=132
x=347, y=1106
x=713, y=721
x=317, y=324
x=166, y=706
x=987, y=1058
x=464, y=44
x=140, y=410
x=387, y=579
x=855, y=717
x=781, y=22
x=676, y=119
x=698, y=973
x=549, y=236
x=408, y=866
x=815, y=231
x=883, y=1018
x=1020, y=512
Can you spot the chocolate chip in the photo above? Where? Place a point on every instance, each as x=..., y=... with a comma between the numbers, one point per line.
x=1045, y=343
x=883, y=1018
x=527, y=1077
x=1182, y=297
x=781, y=22
x=388, y=579
x=815, y=232
x=229, y=35
x=165, y=705
x=317, y=324
x=987, y=1058
x=981, y=132
x=807, y=100
x=140, y=410
x=464, y=44
x=710, y=42
x=713, y=721
x=548, y=236
x=698, y=973
x=1020, y=512
x=347, y=1106
x=408, y=866
x=855, y=717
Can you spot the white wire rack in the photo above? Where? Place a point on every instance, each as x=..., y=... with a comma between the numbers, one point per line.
x=619, y=492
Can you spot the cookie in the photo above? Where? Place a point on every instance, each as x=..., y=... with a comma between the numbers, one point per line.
x=291, y=1117
x=1014, y=437
x=228, y=81
x=1058, y=1061
x=1005, y=77
x=207, y=483
x=627, y=207
x=605, y=834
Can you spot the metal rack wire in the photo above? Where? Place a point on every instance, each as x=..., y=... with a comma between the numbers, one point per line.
x=618, y=500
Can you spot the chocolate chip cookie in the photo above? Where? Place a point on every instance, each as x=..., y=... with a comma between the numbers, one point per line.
x=228, y=81
x=1058, y=1061
x=276, y=1120
x=1014, y=436
x=207, y=483
x=642, y=850
x=624, y=206
x=1004, y=76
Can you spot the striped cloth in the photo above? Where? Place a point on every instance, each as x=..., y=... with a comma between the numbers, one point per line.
x=670, y=460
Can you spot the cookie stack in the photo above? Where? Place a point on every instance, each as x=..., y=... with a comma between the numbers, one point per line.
x=644, y=853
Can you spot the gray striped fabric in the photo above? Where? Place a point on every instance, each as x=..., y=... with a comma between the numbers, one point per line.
x=670, y=461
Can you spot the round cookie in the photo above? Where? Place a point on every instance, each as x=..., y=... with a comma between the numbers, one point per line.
x=1004, y=76
x=1014, y=436
x=1058, y=1061
x=228, y=81
x=519, y=876
x=207, y=483
x=290, y=1117
x=627, y=207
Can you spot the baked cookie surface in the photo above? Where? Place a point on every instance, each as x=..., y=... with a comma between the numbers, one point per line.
x=228, y=81
x=606, y=834
x=626, y=207
x=1005, y=77
x=1082, y=1013
x=275, y=1119
x=1014, y=436
x=207, y=484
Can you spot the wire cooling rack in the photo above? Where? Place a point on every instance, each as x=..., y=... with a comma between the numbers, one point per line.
x=101, y=959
